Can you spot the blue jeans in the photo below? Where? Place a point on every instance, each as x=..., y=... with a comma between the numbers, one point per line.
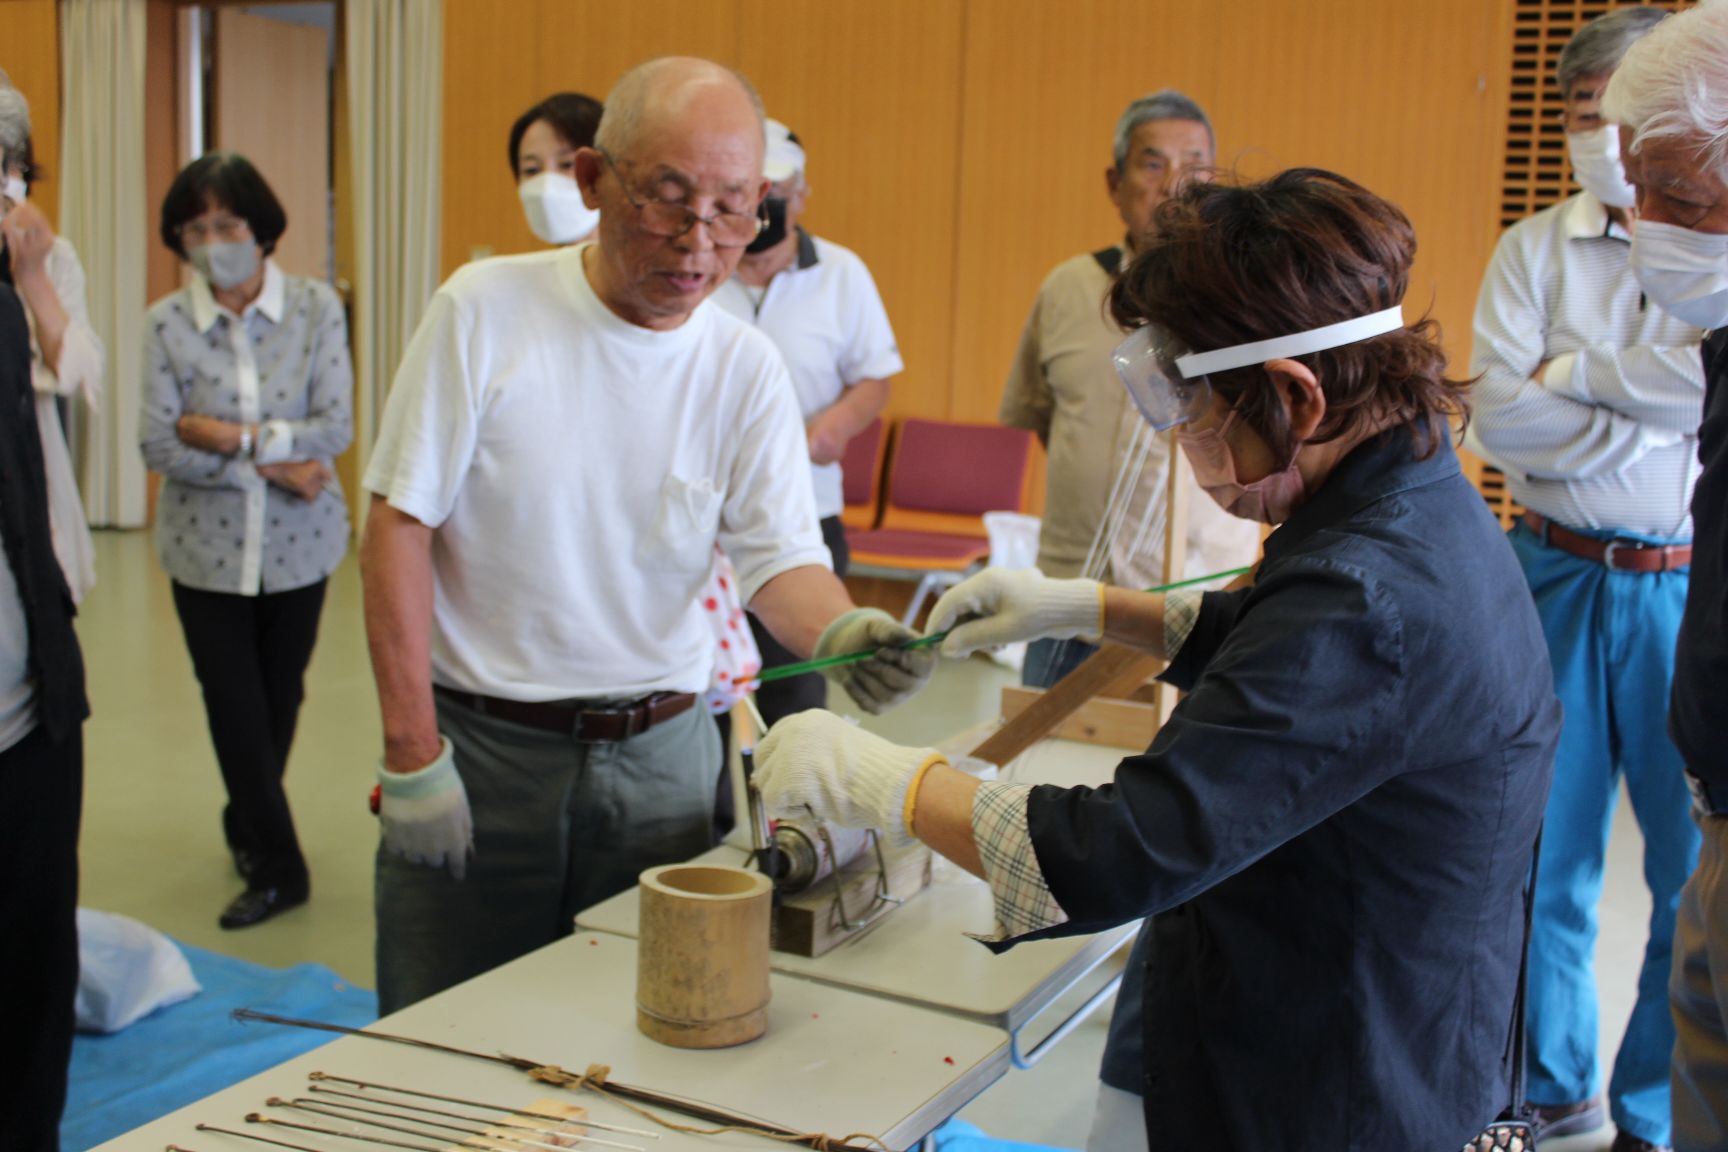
x=1047, y=661
x=1611, y=638
x=558, y=825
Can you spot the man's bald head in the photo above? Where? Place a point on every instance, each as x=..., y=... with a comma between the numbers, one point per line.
x=670, y=90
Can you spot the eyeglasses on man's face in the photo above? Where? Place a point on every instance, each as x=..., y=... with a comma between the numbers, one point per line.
x=671, y=218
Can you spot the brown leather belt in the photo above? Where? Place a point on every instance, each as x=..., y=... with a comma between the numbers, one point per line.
x=1620, y=555
x=589, y=724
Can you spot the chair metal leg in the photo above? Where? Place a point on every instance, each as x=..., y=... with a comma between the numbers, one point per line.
x=925, y=587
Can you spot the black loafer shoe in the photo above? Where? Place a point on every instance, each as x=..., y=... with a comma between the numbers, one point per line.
x=1555, y=1120
x=1626, y=1142
x=256, y=905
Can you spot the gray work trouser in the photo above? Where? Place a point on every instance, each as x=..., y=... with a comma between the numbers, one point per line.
x=1698, y=995
x=558, y=826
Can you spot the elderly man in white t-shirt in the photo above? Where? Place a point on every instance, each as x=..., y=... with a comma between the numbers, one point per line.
x=819, y=304
x=569, y=435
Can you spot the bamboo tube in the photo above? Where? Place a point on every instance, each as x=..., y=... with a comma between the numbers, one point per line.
x=702, y=956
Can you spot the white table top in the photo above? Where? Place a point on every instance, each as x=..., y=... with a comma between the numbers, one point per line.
x=832, y=1061
x=919, y=953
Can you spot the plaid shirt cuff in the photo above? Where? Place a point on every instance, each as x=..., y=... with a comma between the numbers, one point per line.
x=1181, y=609
x=1023, y=900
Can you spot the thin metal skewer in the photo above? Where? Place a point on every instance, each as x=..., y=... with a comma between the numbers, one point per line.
x=476, y=1126
x=260, y=1118
x=319, y=1108
x=481, y=1120
x=616, y=1089
x=478, y=1104
x=247, y=1136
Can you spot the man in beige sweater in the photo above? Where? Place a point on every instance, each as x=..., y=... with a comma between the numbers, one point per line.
x=1063, y=387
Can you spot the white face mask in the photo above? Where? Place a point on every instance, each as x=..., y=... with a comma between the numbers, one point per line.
x=553, y=204
x=226, y=263
x=1597, y=168
x=1683, y=271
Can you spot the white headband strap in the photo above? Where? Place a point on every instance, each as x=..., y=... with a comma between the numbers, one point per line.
x=1296, y=344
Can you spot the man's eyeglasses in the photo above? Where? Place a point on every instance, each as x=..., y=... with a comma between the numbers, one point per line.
x=666, y=218
x=222, y=228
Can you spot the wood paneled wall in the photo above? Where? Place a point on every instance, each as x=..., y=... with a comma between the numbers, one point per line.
x=960, y=145
x=30, y=53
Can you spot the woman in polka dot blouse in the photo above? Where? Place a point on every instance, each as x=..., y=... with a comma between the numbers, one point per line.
x=247, y=400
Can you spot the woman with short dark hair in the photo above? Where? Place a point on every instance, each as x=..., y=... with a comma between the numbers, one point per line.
x=1332, y=832
x=543, y=145
x=247, y=395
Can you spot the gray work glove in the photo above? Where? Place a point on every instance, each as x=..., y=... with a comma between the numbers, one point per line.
x=889, y=677
x=425, y=813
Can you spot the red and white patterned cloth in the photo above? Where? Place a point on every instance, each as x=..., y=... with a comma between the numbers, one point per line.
x=736, y=658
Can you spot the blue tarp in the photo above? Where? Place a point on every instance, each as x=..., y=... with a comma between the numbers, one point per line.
x=187, y=1051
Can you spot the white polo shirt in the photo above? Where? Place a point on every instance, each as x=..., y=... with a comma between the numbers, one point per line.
x=826, y=317
x=579, y=471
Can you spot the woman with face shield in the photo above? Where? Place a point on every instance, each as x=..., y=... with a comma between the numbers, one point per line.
x=1331, y=835
x=66, y=356
x=246, y=403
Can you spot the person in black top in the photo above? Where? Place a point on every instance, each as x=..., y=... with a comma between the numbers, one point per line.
x=1670, y=99
x=1332, y=832
x=42, y=709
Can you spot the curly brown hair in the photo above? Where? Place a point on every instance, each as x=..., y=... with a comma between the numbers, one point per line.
x=1239, y=262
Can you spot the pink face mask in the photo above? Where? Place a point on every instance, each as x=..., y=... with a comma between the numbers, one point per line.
x=1270, y=501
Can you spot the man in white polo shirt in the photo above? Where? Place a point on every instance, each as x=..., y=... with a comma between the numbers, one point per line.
x=818, y=304
x=569, y=436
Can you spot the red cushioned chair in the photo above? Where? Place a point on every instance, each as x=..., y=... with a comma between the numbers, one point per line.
x=943, y=478
x=861, y=477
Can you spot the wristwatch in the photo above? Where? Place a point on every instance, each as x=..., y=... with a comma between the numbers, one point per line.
x=245, y=440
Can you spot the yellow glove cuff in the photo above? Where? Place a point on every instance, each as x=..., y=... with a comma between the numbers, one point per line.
x=911, y=809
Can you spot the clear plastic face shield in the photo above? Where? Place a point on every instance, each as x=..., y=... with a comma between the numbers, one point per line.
x=1169, y=384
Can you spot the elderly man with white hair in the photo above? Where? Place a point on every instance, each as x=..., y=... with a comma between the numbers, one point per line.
x=1589, y=398
x=1670, y=99
x=570, y=434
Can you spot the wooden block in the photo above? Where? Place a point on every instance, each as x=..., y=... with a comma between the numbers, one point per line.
x=1127, y=724
x=809, y=924
x=1110, y=665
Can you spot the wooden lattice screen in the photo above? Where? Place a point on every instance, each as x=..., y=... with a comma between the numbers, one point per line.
x=1537, y=172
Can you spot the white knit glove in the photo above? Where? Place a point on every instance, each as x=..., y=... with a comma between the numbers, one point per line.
x=425, y=813
x=1002, y=605
x=887, y=678
x=841, y=772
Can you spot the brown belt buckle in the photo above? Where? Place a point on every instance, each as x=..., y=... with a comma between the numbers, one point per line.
x=1613, y=546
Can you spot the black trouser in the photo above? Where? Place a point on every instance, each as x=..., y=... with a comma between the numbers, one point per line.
x=250, y=654
x=782, y=698
x=43, y=786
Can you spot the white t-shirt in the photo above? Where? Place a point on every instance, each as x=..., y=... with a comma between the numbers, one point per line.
x=579, y=471
x=824, y=314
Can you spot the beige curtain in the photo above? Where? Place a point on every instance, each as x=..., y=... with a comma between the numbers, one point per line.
x=395, y=77
x=103, y=214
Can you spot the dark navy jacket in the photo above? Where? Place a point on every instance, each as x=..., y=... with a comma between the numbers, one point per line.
x=1699, y=718
x=55, y=663
x=1334, y=829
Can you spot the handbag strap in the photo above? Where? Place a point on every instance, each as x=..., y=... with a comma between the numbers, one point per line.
x=1518, y=1102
